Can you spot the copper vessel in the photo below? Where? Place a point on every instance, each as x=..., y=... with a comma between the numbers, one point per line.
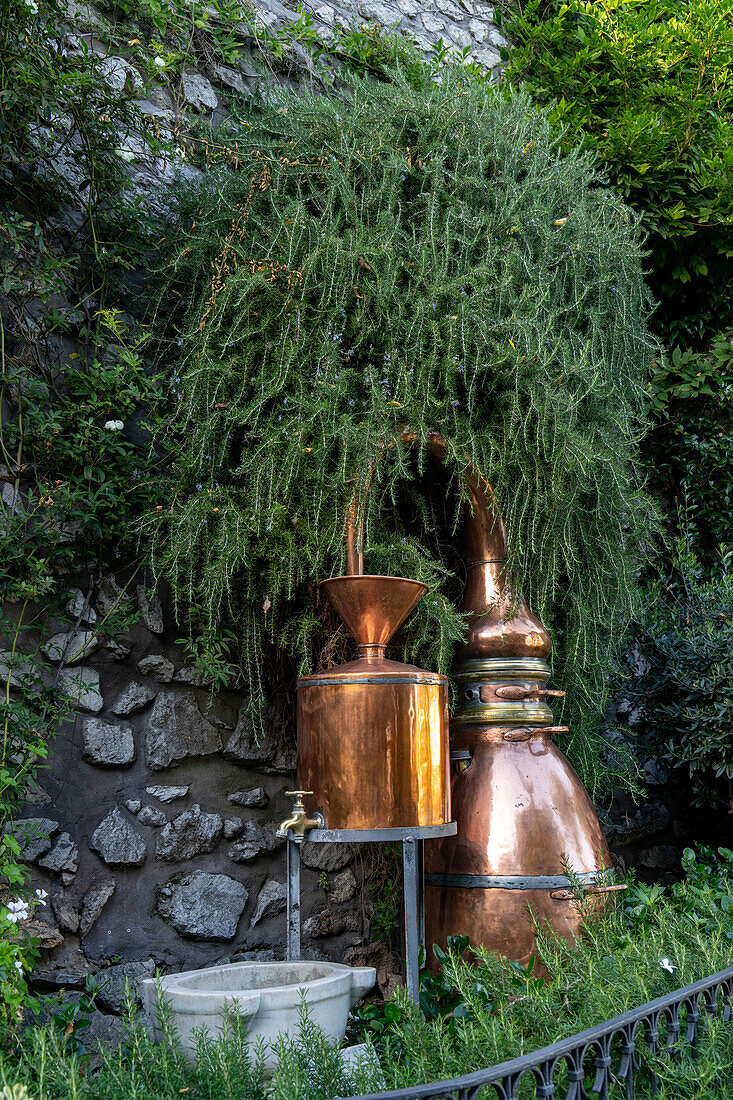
x=373, y=733
x=520, y=807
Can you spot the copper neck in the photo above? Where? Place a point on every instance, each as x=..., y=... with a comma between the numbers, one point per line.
x=500, y=624
x=371, y=652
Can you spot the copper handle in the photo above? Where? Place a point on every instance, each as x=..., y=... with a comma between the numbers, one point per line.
x=569, y=895
x=524, y=734
x=515, y=692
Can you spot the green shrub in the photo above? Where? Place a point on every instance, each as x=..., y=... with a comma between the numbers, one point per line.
x=647, y=85
x=685, y=680
x=497, y=1010
x=406, y=257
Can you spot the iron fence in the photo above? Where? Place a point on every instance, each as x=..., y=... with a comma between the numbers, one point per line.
x=596, y=1063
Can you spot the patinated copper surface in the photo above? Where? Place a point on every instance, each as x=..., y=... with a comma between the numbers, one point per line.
x=373, y=734
x=519, y=807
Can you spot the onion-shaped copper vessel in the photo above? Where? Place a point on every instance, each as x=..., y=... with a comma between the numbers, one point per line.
x=373, y=734
x=521, y=809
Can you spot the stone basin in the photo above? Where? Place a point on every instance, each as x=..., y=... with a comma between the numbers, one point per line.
x=267, y=995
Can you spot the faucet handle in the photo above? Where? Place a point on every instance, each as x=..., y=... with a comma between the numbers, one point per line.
x=298, y=796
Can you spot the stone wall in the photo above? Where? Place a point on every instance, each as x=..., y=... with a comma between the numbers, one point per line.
x=154, y=829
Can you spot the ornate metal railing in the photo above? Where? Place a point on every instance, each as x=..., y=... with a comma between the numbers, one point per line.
x=601, y=1062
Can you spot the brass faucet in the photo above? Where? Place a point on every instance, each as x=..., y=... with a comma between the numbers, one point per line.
x=299, y=821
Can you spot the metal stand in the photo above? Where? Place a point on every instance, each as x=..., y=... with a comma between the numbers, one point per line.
x=413, y=862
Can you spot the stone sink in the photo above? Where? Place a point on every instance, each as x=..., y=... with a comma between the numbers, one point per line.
x=266, y=994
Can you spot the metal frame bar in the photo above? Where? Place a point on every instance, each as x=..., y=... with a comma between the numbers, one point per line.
x=612, y=1045
x=413, y=863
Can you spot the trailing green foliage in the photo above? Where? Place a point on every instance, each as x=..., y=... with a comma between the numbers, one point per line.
x=648, y=87
x=684, y=682
x=406, y=258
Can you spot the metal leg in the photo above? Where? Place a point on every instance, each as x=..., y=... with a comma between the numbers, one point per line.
x=409, y=862
x=420, y=853
x=293, y=911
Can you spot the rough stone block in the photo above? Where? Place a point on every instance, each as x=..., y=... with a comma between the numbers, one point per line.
x=107, y=743
x=133, y=698
x=117, y=841
x=198, y=92
x=112, y=982
x=120, y=75
x=203, y=906
x=255, y=841
x=82, y=686
x=177, y=729
x=343, y=887
x=189, y=834
x=256, y=796
x=34, y=836
x=167, y=794
x=71, y=646
x=272, y=900
x=62, y=856
x=327, y=857
x=157, y=667
x=152, y=817
x=151, y=610
x=94, y=902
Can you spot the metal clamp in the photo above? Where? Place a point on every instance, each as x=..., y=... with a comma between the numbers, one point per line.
x=515, y=693
x=524, y=733
x=572, y=895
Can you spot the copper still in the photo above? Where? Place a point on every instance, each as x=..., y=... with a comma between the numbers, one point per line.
x=373, y=733
x=520, y=807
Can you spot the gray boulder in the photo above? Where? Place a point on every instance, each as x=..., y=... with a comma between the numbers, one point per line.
x=134, y=698
x=189, y=834
x=62, y=856
x=150, y=816
x=255, y=840
x=157, y=667
x=272, y=900
x=107, y=743
x=94, y=902
x=82, y=687
x=177, y=729
x=167, y=794
x=112, y=982
x=34, y=836
x=327, y=857
x=256, y=796
x=117, y=841
x=71, y=646
x=203, y=906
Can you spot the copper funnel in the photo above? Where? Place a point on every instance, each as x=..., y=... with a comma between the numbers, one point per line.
x=373, y=607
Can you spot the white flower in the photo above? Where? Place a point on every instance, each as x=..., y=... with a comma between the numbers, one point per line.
x=17, y=911
x=666, y=964
x=41, y=895
x=114, y=425
x=32, y=6
x=19, y=966
x=159, y=61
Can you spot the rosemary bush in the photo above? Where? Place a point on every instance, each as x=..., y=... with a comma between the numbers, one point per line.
x=418, y=257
